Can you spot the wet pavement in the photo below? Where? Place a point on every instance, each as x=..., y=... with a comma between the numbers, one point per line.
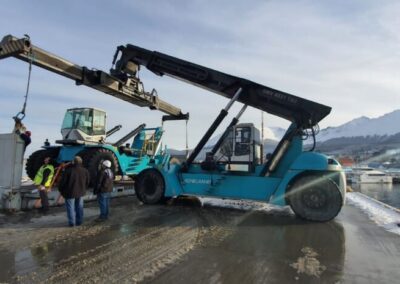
x=184, y=242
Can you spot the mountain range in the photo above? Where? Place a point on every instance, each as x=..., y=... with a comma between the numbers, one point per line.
x=385, y=125
x=359, y=134
x=362, y=134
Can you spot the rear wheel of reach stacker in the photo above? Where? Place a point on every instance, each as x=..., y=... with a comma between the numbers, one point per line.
x=36, y=160
x=93, y=158
x=315, y=198
x=150, y=187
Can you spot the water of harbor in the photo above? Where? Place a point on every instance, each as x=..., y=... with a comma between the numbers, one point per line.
x=386, y=193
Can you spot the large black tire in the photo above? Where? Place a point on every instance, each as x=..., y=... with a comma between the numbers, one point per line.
x=35, y=160
x=315, y=198
x=150, y=187
x=93, y=158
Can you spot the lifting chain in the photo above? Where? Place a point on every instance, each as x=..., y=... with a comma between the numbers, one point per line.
x=21, y=115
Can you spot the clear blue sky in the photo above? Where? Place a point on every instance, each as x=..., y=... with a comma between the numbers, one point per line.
x=344, y=54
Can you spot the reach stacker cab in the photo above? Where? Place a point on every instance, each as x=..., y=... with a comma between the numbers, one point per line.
x=240, y=149
x=83, y=126
x=311, y=183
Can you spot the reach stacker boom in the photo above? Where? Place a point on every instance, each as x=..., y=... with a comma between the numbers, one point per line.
x=84, y=129
x=127, y=88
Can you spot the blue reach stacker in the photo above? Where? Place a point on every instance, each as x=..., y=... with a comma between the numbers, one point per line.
x=312, y=184
x=84, y=134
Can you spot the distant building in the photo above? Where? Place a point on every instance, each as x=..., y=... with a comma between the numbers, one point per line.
x=346, y=161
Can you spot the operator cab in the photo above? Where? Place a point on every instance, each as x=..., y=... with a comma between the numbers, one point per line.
x=240, y=151
x=147, y=142
x=83, y=126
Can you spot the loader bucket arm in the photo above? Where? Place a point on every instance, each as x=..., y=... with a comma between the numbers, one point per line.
x=127, y=88
x=129, y=135
x=303, y=112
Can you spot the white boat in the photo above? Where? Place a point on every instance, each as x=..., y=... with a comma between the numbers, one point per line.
x=375, y=176
x=368, y=175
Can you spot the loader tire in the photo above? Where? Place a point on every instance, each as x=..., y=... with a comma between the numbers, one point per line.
x=150, y=187
x=315, y=198
x=35, y=160
x=93, y=158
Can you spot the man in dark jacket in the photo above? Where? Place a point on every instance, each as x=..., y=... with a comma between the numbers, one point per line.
x=103, y=188
x=73, y=186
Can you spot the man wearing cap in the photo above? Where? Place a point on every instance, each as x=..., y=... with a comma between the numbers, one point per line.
x=73, y=185
x=103, y=188
x=43, y=180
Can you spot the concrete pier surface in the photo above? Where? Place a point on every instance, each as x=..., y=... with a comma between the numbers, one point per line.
x=184, y=242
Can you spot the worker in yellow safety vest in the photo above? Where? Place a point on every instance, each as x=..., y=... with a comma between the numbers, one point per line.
x=43, y=180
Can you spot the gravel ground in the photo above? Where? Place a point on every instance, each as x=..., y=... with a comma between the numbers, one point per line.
x=184, y=242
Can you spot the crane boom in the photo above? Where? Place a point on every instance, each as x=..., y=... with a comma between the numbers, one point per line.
x=127, y=88
x=303, y=112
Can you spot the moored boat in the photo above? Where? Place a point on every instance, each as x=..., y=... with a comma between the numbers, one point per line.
x=367, y=175
x=375, y=176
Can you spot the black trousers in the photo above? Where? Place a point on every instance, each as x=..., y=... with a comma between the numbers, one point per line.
x=44, y=199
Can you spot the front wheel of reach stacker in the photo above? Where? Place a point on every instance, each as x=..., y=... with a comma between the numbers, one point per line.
x=150, y=187
x=315, y=198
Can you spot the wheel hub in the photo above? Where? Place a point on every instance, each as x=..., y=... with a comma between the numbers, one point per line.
x=314, y=199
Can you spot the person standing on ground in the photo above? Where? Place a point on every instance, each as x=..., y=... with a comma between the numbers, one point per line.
x=73, y=185
x=103, y=188
x=43, y=180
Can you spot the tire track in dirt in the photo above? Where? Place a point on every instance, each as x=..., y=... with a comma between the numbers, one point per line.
x=139, y=243
x=129, y=258
x=53, y=229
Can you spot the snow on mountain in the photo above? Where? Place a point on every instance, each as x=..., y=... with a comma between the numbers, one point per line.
x=387, y=124
x=274, y=133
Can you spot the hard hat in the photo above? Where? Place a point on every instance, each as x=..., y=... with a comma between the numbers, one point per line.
x=28, y=133
x=107, y=164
